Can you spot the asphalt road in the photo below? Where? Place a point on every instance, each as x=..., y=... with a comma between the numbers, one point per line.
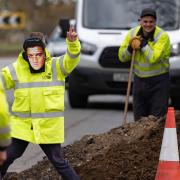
x=103, y=113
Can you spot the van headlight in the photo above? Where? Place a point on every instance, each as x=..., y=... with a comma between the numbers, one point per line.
x=175, y=49
x=87, y=48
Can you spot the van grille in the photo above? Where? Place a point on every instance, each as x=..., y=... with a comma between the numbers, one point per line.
x=109, y=58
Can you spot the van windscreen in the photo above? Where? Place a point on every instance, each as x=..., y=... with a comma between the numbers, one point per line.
x=121, y=14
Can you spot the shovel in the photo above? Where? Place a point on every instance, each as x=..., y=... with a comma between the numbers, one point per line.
x=129, y=87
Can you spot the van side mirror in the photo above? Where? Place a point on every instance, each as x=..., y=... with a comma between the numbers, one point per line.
x=64, y=26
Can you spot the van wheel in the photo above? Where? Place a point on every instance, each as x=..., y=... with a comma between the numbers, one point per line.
x=77, y=100
x=175, y=102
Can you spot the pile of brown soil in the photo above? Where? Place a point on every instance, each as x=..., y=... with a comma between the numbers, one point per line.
x=129, y=152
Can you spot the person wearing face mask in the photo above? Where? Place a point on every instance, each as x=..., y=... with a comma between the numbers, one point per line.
x=37, y=113
x=151, y=65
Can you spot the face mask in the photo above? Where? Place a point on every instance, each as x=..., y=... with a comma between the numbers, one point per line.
x=36, y=57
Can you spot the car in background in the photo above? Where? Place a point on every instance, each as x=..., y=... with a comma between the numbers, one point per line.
x=56, y=43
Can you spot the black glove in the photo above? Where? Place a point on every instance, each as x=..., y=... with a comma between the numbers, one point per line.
x=143, y=43
x=130, y=49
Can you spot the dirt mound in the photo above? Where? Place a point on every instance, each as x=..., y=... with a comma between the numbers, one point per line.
x=129, y=152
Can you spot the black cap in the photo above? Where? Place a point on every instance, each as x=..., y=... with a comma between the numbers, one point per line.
x=148, y=12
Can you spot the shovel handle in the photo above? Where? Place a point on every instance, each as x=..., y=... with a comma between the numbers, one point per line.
x=129, y=87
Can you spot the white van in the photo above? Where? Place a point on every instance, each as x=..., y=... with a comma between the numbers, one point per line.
x=101, y=26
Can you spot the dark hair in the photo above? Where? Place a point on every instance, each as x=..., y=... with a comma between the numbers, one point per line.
x=35, y=39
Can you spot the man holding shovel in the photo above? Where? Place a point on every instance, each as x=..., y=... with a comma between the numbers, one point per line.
x=151, y=65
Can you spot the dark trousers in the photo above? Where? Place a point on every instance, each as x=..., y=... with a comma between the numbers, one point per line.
x=52, y=151
x=150, y=96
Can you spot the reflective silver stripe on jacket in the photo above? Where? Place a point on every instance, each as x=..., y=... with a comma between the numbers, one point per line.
x=148, y=48
x=61, y=58
x=13, y=72
x=54, y=74
x=148, y=65
x=152, y=72
x=133, y=33
x=39, y=115
x=72, y=56
x=62, y=66
x=4, y=130
x=158, y=35
x=3, y=81
x=39, y=84
x=126, y=52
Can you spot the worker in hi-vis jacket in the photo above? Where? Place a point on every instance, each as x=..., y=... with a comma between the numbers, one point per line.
x=151, y=65
x=37, y=113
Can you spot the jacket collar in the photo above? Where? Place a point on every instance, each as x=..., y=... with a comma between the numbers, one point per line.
x=150, y=35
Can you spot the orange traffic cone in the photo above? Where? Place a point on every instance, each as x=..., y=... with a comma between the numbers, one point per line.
x=169, y=167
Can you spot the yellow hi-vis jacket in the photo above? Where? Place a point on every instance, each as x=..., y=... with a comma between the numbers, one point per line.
x=38, y=107
x=152, y=59
x=5, y=138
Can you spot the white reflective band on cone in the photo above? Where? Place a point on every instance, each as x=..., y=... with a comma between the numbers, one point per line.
x=169, y=148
